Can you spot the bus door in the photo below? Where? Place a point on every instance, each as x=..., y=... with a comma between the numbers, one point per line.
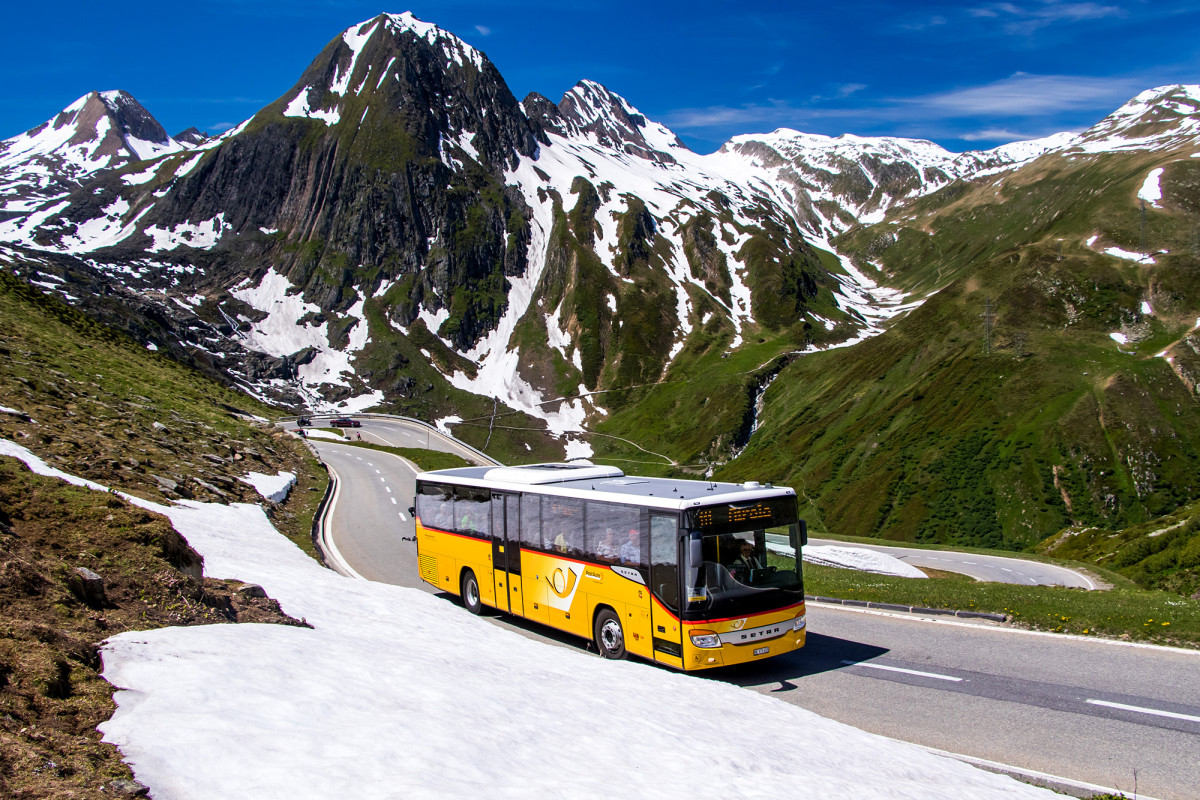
x=506, y=551
x=664, y=584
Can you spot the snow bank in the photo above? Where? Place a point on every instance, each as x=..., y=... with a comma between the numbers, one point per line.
x=273, y=487
x=1151, y=190
x=395, y=692
x=860, y=559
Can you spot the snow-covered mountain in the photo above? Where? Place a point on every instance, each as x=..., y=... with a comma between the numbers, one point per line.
x=100, y=131
x=837, y=182
x=397, y=219
x=1157, y=119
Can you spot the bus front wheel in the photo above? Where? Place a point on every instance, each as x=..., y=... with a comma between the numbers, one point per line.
x=610, y=639
x=470, y=593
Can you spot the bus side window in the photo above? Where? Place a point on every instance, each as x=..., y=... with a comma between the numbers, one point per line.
x=562, y=524
x=435, y=506
x=608, y=526
x=531, y=522
x=472, y=508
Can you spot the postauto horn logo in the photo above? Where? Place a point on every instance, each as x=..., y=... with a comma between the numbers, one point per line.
x=563, y=585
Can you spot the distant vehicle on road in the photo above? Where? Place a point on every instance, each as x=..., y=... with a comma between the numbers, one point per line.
x=345, y=422
x=303, y=422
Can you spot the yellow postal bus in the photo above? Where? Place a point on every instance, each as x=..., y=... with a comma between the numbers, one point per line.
x=690, y=574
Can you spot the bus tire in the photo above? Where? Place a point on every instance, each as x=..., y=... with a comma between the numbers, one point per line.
x=608, y=635
x=470, y=593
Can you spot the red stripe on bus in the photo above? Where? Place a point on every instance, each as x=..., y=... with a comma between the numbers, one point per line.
x=748, y=616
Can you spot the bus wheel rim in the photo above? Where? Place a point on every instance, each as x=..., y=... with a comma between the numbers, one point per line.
x=610, y=635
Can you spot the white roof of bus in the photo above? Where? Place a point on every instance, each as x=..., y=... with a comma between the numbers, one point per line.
x=594, y=482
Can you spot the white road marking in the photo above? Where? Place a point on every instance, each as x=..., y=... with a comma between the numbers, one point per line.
x=377, y=472
x=383, y=479
x=389, y=489
x=905, y=671
x=403, y=517
x=393, y=501
x=1156, y=712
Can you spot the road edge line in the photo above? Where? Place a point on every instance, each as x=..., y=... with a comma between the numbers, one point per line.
x=1009, y=629
x=1057, y=783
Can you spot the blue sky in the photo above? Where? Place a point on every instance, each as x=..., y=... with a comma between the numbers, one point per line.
x=968, y=75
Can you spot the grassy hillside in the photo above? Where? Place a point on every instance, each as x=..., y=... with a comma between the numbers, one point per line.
x=1163, y=553
x=1002, y=410
x=92, y=402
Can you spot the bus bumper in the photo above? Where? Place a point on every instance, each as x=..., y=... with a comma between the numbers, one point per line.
x=742, y=641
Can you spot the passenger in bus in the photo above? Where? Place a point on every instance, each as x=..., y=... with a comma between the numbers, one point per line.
x=607, y=548
x=631, y=551
x=444, y=518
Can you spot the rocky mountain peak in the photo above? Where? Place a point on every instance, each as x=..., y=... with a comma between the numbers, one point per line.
x=590, y=110
x=99, y=131
x=396, y=67
x=1157, y=119
x=191, y=137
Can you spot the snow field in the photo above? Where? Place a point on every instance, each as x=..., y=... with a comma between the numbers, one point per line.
x=395, y=692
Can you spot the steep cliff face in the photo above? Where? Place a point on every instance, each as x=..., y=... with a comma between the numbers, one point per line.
x=384, y=161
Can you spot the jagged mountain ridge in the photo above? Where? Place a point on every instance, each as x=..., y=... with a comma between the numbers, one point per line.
x=1050, y=381
x=574, y=246
x=99, y=132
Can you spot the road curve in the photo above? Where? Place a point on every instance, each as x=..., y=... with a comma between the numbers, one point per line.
x=1000, y=569
x=1084, y=709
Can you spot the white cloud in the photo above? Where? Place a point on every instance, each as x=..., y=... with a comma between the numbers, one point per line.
x=1026, y=95
x=483, y=30
x=1024, y=20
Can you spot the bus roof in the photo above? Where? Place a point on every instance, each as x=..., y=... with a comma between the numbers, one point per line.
x=594, y=481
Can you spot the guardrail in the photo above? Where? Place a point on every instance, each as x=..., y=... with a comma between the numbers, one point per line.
x=323, y=509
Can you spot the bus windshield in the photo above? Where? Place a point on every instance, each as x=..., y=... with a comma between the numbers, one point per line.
x=742, y=572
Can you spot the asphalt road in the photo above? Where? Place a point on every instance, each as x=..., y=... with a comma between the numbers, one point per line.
x=980, y=567
x=1066, y=706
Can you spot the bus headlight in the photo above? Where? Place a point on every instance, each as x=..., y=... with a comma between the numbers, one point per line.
x=706, y=639
x=799, y=623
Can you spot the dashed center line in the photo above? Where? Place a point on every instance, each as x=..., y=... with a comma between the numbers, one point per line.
x=905, y=671
x=394, y=503
x=1155, y=711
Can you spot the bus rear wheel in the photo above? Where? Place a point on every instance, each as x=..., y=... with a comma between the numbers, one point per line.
x=610, y=639
x=470, y=593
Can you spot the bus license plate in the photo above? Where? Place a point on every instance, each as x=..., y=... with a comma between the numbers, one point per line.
x=762, y=651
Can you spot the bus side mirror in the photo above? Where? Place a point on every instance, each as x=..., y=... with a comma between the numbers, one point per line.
x=803, y=532
x=412, y=511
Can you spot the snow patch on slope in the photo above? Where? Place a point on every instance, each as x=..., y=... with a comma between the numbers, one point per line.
x=205, y=711
x=282, y=333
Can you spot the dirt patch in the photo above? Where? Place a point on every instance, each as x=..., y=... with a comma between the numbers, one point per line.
x=78, y=566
